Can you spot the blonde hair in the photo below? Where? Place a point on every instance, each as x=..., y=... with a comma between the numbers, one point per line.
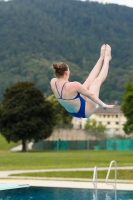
x=60, y=68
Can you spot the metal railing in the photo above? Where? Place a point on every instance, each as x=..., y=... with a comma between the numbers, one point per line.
x=95, y=182
x=115, y=176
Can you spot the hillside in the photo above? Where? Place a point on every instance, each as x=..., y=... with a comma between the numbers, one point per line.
x=36, y=33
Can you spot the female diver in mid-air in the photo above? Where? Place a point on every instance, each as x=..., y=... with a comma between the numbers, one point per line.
x=78, y=99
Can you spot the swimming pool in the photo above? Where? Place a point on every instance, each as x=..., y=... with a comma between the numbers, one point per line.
x=50, y=193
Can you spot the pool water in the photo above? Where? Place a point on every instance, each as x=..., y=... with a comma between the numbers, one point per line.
x=49, y=193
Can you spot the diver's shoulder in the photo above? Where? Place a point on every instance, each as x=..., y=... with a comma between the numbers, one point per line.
x=53, y=80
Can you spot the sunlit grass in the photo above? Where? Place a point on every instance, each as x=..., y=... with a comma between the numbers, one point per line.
x=63, y=159
x=121, y=174
x=4, y=145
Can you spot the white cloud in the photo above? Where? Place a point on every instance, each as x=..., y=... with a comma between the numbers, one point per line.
x=128, y=3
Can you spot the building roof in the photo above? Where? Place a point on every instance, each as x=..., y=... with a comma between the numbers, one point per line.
x=116, y=109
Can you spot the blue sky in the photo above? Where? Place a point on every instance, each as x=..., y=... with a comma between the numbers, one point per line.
x=128, y=3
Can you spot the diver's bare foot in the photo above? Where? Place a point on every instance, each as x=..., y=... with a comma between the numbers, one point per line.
x=102, y=53
x=108, y=52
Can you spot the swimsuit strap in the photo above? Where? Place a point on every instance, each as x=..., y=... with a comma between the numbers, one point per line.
x=60, y=94
x=57, y=90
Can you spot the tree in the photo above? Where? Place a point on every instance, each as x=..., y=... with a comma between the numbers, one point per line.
x=92, y=126
x=61, y=115
x=25, y=114
x=127, y=107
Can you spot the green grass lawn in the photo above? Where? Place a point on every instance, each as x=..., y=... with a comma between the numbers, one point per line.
x=63, y=159
x=4, y=145
x=121, y=174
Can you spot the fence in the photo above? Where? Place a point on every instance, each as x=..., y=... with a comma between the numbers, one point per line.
x=93, y=144
x=65, y=137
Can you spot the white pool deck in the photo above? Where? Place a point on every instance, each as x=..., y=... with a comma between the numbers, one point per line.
x=63, y=182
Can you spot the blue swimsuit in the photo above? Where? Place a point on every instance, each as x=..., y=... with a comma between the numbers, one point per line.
x=81, y=112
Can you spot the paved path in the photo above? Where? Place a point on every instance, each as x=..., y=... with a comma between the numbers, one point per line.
x=67, y=184
x=19, y=147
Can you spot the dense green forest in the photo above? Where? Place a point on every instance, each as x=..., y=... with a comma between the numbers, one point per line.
x=36, y=33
